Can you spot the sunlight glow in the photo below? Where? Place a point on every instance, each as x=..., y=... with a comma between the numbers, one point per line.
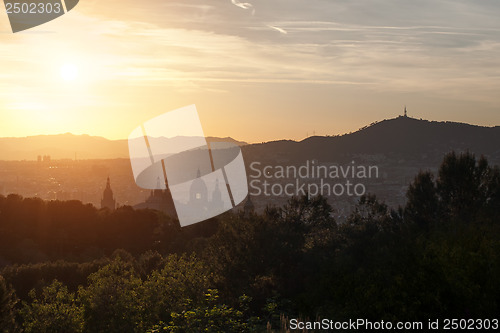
x=69, y=72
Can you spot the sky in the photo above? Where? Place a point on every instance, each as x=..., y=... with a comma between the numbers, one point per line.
x=257, y=71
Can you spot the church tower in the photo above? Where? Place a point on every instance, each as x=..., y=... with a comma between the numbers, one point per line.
x=107, y=200
x=198, y=193
x=217, y=204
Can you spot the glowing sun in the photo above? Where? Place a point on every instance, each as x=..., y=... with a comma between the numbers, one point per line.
x=69, y=72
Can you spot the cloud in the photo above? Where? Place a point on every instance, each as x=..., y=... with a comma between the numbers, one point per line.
x=447, y=49
x=280, y=30
x=188, y=41
x=244, y=5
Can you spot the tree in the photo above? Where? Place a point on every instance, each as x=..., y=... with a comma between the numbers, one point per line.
x=7, y=302
x=465, y=189
x=422, y=205
x=310, y=211
x=462, y=186
x=372, y=213
x=112, y=301
x=54, y=310
x=210, y=316
x=181, y=279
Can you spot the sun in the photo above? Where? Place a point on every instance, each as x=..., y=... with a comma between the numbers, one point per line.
x=69, y=72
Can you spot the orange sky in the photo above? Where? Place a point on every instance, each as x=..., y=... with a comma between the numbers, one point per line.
x=257, y=70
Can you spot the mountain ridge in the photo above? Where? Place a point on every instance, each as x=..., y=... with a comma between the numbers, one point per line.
x=401, y=135
x=66, y=145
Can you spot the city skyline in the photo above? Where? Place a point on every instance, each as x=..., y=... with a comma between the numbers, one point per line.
x=323, y=67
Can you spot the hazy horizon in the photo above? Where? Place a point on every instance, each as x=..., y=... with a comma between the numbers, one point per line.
x=254, y=142
x=257, y=71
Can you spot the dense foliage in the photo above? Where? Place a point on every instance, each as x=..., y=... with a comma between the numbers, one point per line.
x=437, y=257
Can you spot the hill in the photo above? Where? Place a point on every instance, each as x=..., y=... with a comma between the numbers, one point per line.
x=66, y=146
x=401, y=137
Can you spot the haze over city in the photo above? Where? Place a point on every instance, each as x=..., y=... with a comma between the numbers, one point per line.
x=326, y=67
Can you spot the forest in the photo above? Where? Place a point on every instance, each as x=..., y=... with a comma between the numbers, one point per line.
x=69, y=267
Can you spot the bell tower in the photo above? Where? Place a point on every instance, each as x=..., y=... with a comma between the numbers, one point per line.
x=107, y=200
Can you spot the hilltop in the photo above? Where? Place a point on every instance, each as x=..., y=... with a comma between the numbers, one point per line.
x=401, y=136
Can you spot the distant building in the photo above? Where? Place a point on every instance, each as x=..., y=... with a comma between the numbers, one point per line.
x=198, y=193
x=160, y=200
x=107, y=200
x=199, y=200
x=203, y=199
x=217, y=202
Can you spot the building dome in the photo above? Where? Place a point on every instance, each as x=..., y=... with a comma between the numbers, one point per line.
x=198, y=192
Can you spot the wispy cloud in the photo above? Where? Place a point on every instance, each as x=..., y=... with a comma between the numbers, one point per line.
x=280, y=30
x=244, y=5
x=344, y=48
